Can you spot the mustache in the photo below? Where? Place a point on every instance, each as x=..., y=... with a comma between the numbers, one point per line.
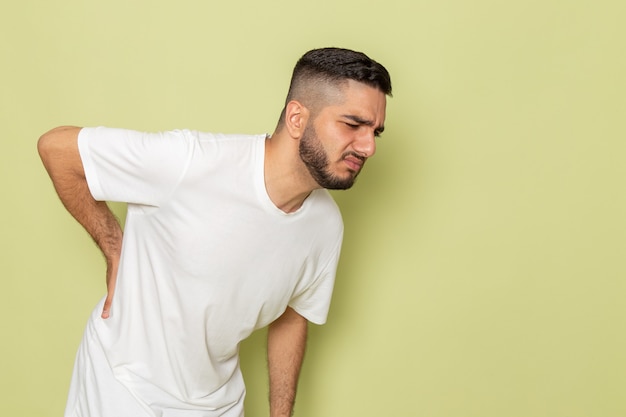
x=355, y=155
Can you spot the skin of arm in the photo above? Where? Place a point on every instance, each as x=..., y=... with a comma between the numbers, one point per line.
x=286, y=343
x=59, y=153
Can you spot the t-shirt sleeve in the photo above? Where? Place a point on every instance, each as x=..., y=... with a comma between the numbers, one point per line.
x=133, y=167
x=313, y=302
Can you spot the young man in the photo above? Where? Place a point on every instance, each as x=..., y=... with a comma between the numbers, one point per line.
x=224, y=234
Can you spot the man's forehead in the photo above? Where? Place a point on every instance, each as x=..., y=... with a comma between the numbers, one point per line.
x=347, y=97
x=363, y=102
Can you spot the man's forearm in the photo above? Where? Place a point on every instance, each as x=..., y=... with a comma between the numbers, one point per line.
x=286, y=344
x=59, y=152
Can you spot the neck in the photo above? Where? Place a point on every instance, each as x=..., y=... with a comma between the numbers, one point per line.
x=287, y=181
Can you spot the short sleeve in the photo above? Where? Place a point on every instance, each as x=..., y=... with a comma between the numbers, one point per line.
x=134, y=167
x=313, y=302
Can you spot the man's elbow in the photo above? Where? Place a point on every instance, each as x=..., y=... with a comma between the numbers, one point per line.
x=56, y=140
x=58, y=149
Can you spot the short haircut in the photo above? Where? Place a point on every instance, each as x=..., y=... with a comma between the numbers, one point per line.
x=333, y=66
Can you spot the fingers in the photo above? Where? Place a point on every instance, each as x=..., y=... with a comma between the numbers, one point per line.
x=106, y=310
x=111, y=281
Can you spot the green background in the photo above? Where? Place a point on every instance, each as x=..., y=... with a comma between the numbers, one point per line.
x=484, y=265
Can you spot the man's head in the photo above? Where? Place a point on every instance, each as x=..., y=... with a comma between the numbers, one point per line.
x=335, y=108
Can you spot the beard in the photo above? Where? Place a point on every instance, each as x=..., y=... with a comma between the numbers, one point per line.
x=316, y=160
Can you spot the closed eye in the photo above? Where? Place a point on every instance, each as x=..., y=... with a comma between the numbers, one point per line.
x=377, y=132
x=355, y=122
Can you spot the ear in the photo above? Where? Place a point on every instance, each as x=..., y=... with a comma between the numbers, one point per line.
x=296, y=118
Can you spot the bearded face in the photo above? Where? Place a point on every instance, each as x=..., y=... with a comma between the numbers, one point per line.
x=318, y=163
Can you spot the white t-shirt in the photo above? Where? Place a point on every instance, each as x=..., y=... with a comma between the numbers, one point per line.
x=207, y=259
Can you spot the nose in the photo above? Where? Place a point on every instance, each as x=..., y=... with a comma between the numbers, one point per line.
x=365, y=145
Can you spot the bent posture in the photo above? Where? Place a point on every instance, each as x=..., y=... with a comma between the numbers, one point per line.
x=224, y=234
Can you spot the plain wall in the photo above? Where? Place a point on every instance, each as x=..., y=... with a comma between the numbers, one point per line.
x=483, y=271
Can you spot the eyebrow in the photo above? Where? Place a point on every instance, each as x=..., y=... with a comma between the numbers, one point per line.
x=361, y=121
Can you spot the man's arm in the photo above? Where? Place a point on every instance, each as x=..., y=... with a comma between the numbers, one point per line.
x=286, y=344
x=59, y=152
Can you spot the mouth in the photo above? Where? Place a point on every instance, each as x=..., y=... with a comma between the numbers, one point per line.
x=354, y=162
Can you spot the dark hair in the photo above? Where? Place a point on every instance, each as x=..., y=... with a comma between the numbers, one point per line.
x=337, y=64
x=333, y=66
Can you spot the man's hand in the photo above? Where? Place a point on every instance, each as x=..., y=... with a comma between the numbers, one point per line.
x=112, y=266
x=286, y=344
x=60, y=155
